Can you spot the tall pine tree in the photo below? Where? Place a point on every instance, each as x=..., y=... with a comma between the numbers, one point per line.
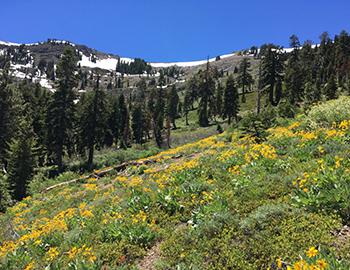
x=21, y=161
x=124, y=124
x=138, y=123
x=172, y=105
x=294, y=73
x=93, y=122
x=61, y=109
x=231, y=100
x=206, y=91
x=271, y=73
x=244, y=78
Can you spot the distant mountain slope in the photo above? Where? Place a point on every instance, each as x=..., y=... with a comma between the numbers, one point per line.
x=37, y=61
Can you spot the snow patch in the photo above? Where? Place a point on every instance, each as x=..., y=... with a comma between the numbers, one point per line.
x=190, y=63
x=19, y=66
x=45, y=83
x=109, y=63
x=8, y=43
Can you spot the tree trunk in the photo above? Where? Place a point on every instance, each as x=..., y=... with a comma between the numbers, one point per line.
x=174, y=124
x=59, y=158
x=91, y=157
x=168, y=128
x=258, y=102
x=243, y=94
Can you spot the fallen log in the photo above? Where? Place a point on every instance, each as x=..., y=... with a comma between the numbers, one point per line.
x=101, y=173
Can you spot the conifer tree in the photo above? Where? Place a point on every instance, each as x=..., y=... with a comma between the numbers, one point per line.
x=158, y=117
x=5, y=116
x=192, y=89
x=113, y=131
x=294, y=73
x=172, y=105
x=187, y=105
x=312, y=94
x=124, y=124
x=61, y=110
x=244, y=78
x=161, y=80
x=168, y=131
x=231, y=100
x=330, y=89
x=11, y=109
x=218, y=98
x=137, y=124
x=93, y=122
x=21, y=161
x=206, y=90
x=4, y=194
x=271, y=73
x=342, y=57
x=38, y=113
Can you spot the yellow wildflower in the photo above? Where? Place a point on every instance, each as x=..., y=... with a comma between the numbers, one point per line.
x=279, y=263
x=344, y=124
x=314, y=267
x=312, y=252
x=52, y=254
x=294, y=125
x=322, y=263
x=86, y=213
x=30, y=266
x=337, y=162
x=300, y=265
x=38, y=242
x=91, y=187
x=234, y=170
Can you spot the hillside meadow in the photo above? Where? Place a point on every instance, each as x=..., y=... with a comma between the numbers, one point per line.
x=229, y=201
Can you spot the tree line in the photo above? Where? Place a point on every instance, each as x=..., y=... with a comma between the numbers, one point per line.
x=39, y=128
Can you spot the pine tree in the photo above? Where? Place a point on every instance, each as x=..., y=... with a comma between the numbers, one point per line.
x=342, y=57
x=110, y=86
x=158, y=117
x=192, y=90
x=172, y=105
x=5, y=116
x=206, y=90
x=323, y=58
x=231, y=100
x=168, y=131
x=244, y=78
x=38, y=113
x=4, y=194
x=138, y=124
x=124, y=124
x=271, y=73
x=11, y=109
x=218, y=98
x=61, y=110
x=294, y=73
x=93, y=122
x=161, y=80
x=330, y=89
x=187, y=105
x=312, y=94
x=113, y=132
x=21, y=161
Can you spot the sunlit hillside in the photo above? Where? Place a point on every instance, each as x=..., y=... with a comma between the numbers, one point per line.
x=230, y=201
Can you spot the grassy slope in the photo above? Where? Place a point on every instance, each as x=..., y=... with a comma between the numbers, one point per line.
x=224, y=202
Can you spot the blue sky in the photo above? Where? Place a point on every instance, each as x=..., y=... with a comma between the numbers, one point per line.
x=169, y=30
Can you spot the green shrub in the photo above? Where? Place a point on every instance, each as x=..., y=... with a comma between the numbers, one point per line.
x=328, y=112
